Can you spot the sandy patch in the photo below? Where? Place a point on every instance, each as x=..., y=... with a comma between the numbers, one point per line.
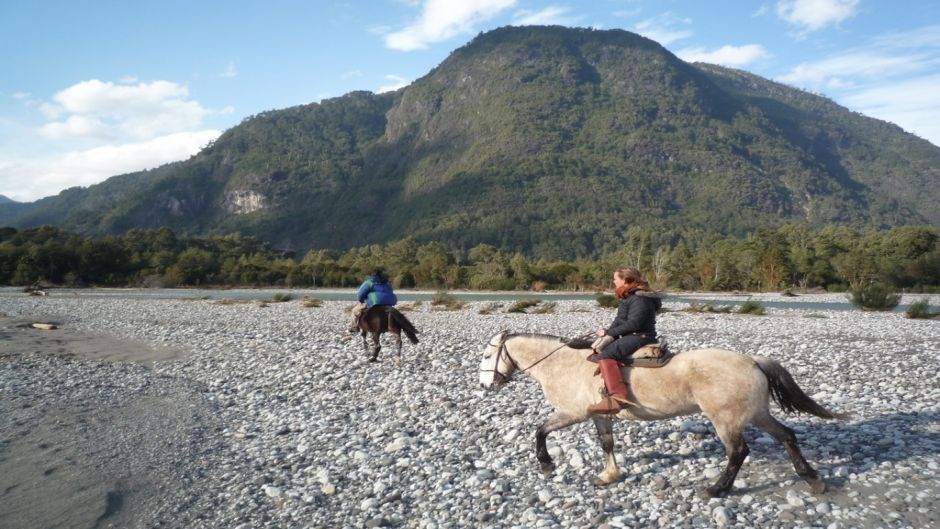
x=90, y=438
x=17, y=336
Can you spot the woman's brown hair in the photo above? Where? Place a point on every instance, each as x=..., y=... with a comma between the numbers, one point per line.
x=633, y=276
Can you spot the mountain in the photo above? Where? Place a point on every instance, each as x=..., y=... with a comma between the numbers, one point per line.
x=547, y=140
x=5, y=200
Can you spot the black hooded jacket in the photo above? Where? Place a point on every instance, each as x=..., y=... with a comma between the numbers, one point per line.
x=636, y=314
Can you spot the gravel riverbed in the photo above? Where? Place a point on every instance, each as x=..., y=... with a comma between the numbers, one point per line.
x=247, y=416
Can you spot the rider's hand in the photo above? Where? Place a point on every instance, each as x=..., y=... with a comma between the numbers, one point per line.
x=601, y=332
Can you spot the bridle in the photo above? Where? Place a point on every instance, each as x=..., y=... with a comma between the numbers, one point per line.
x=501, y=349
x=498, y=376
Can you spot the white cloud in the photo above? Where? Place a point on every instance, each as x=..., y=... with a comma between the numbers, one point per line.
x=838, y=83
x=397, y=82
x=913, y=104
x=98, y=129
x=143, y=111
x=443, y=19
x=925, y=37
x=95, y=96
x=50, y=110
x=733, y=56
x=894, y=77
x=862, y=64
x=889, y=55
x=350, y=74
x=31, y=179
x=27, y=99
x=812, y=15
x=665, y=28
x=230, y=70
x=552, y=15
x=627, y=13
x=76, y=126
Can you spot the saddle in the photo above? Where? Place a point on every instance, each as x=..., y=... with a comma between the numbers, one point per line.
x=380, y=309
x=367, y=312
x=651, y=355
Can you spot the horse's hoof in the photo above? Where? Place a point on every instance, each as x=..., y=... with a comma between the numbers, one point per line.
x=547, y=469
x=373, y=359
x=715, y=492
x=818, y=486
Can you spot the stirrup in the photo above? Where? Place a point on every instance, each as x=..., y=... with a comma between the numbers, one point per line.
x=624, y=401
x=608, y=406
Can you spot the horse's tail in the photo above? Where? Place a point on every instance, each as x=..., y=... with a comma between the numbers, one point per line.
x=404, y=324
x=787, y=394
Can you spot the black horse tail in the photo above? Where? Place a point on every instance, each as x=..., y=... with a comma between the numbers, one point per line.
x=787, y=394
x=404, y=324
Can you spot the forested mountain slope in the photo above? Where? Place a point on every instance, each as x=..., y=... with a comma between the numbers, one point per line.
x=546, y=140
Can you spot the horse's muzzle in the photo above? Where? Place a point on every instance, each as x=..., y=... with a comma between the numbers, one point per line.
x=493, y=385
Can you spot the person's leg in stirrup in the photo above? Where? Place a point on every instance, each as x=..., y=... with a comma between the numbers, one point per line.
x=356, y=314
x=617, y=390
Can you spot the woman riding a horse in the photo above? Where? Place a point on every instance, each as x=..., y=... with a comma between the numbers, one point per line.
x=634, y=327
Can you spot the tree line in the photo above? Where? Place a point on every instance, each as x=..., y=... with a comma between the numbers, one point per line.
x=835, y=258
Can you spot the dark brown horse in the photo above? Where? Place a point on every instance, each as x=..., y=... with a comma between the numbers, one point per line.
x=385, y=318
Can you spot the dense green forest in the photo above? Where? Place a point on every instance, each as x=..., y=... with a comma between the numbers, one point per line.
x=792, y=256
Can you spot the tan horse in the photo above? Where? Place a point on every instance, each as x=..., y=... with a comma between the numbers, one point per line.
x=731, y=389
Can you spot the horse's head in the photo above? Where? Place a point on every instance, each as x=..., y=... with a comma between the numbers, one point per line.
x=497, y=366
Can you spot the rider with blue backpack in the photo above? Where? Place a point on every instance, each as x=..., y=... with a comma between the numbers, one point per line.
x=375, y=290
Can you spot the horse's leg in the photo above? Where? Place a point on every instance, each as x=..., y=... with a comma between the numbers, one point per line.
x=786, y=437
x=732, y=437
x=377, y=346
x=556, y=422
x=398, y=342
x=365, y=343
x=605, y=433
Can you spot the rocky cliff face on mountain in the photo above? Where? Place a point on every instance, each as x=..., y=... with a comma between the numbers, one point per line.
x=547, y=140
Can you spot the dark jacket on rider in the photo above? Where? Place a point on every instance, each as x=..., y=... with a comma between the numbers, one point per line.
x=636, y=314
x=634, y=326
x=376, y=291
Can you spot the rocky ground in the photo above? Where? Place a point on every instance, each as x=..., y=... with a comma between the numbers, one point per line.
x=269, y=416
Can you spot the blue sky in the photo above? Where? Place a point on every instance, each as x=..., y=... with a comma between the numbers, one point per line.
x=92, y=89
